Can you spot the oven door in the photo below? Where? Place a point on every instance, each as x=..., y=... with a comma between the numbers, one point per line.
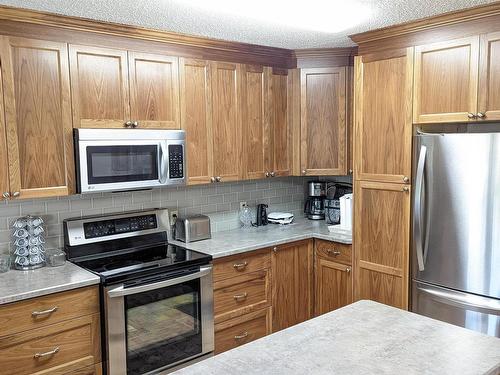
x=160, y=321
x=121, y=165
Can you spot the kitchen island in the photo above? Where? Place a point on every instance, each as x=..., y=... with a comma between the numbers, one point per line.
x=363, y=338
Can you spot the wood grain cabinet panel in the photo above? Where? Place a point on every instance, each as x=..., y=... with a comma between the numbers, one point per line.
x=154, y=90
x=292, y=275
x=333, y=285
x=38, y=117
x=256, y=155
x=489, y=77
x=446, y=81
x=226, y=120
x=333, y=251
x=381, y=242
x=196, y=118
x=241, y=264
x=323, y=121
x=383, y=117
x=99, y=87
x=4, y=162
x=280, y=122
x=242, y=330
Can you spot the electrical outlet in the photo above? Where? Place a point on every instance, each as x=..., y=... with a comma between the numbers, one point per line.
x=242, y=204
x=174, y=214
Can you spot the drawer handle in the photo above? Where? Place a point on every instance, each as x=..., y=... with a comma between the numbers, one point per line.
x=41, y=355
x=333, y=252
x=242, y=336
x=239, y=297
x=240, y=266
x=34, y=314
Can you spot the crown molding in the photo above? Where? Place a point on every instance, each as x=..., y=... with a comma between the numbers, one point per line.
x=325, y=57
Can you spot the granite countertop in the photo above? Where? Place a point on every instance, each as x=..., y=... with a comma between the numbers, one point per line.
x=363, y=338
x=240, y=240
x=19, y=285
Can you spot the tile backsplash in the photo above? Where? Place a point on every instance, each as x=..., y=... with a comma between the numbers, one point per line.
x=219, y=201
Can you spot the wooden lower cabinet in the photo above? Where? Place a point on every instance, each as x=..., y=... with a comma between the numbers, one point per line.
x=243, y=329
x=64, y=341
x=292, y=273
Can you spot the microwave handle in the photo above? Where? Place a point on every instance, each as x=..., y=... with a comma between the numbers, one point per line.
x=163, y=163
x=121, y=291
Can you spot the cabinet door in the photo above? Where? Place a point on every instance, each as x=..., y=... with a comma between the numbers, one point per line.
x=154, y=90
x=4, y=164
x=445, y=81
x=256, y=152
x=196, y=118
x=99, y=87
x=381, y=242
x=333, y=285
x=489, y=77
x=383, y=123
x=323, y=121
x=38, y=117
x=281, y=125
x=226, y=121
x=292, y=279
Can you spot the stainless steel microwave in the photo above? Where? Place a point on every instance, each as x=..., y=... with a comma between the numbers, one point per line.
x=128, y=159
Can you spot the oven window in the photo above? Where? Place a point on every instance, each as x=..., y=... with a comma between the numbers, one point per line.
x=163, y=326
x=109, y=164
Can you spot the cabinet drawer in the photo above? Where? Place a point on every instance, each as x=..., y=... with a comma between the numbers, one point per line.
x=240, y=264
x=55, y=349
x=242, y=330
x=242, y=294
x=334, y=251
x=38, y=312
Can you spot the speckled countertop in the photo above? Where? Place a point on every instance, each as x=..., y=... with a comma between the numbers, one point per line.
x=241, y=240
x=363, y=338
x=19, y=285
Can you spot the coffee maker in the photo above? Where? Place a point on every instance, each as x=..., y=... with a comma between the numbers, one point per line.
x=314, y=207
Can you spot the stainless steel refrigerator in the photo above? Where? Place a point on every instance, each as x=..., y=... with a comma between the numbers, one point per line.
x=456, y=229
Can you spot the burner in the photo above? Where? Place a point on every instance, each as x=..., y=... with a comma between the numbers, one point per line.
x=121, y=264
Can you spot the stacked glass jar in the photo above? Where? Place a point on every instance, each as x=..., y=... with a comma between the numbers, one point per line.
x=28, y=243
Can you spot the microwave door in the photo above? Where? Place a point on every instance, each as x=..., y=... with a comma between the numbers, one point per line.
x=120, y=165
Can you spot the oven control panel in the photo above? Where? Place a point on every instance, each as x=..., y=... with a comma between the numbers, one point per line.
x=117, y=226
x=175, y=161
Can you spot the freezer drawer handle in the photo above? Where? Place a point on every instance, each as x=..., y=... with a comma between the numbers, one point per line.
x=476, y=303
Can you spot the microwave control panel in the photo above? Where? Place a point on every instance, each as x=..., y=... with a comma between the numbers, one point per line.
x=116, y=226
x=175, y=161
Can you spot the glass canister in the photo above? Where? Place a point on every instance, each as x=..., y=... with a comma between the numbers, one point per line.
x=28, y=243
x=55, y=257
x=246, y=216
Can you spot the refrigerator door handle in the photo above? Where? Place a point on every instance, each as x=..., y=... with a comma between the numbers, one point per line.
x=463, y=300
x=417, y=214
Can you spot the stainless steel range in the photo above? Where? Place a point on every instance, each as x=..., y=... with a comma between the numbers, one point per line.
x=156, y=298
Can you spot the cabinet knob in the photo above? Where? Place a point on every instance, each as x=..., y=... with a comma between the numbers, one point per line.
x=350, y=171
x=16, y=194
x=481, y=115
x=135, y=124
x=128, y=124
x=406, y=179
x=212, y=179
x=6, y=195
x=275, y=249
x=267, y=174
x=273, y=174
x=471, y=115
x=303, y=171
x=348, y=270
x=406, y=189
x=218, y=179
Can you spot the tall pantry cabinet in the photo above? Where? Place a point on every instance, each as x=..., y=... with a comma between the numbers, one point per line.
x=382, y=147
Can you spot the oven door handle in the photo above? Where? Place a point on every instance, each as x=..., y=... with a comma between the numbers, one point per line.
x=121, y=291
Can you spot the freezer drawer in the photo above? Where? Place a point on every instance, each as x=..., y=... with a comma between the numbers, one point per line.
x=466, y=310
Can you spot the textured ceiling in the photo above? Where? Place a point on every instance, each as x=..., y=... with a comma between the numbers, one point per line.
x=172, y=15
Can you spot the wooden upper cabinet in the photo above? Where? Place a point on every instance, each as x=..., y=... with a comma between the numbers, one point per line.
x=256, y=147
x=292, y=280
x=4, y=163
x=154, y=90
x=196, y=118
x=226, y=120
x=446, y=81
x=280, y=122
x=489, y=77
x=38, y=117
x=323, y=121
x=381, y=242
x=383, y=117
x=99, y=87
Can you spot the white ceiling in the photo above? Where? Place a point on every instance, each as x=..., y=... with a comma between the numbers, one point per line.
x=173, y=15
